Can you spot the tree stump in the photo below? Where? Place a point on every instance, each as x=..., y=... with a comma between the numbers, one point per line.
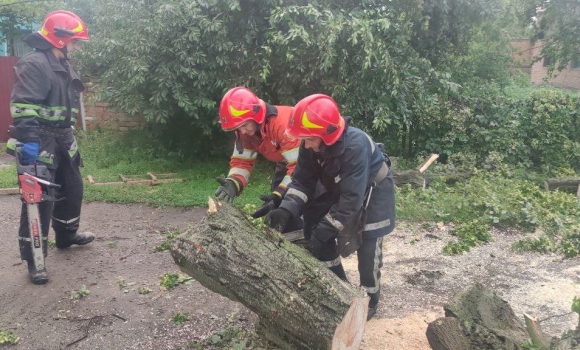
x=301, y=304
x=484, y=320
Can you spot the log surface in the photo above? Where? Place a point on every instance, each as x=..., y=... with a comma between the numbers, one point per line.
x=301, y=303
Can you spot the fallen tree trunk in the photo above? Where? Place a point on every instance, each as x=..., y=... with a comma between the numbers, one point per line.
x=418, y=179
x=564, y=184
x=301, y=304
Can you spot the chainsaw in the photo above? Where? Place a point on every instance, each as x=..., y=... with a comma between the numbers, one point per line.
x=35, y=188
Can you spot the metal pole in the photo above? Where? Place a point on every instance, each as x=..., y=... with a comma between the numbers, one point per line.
x=83, y=113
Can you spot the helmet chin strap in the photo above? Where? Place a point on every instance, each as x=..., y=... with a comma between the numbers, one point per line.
x=64, y=50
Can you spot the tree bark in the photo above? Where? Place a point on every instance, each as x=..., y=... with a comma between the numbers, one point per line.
x=301, y=304
x=446, y=333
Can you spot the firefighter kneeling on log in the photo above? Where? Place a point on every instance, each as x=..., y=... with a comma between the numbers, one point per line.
x=259, y=128
x=44, y=106
x=358, y=208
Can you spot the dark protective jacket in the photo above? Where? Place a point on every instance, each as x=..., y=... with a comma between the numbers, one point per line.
x=45, y=104
x=346, y=169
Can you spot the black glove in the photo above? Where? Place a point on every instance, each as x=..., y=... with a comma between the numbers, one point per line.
x=228, y=189
x=271, y=201
x=278, y=219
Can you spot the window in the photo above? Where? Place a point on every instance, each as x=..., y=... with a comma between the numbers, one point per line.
x=576, y=61
x=547, y=61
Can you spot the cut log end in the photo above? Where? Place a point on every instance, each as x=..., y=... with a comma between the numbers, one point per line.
x=348, y=334
x=211, y=205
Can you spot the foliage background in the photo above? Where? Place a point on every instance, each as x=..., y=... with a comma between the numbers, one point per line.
x=421, y=76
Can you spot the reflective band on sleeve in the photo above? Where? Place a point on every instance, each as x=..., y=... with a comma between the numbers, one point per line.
x=239, y=171
x=332, y=263
x=248, y=154
x=11, y=144
x=377, y=225
x=298, y=194
x=291, y=155
x=373, y=146
x=285, y=181
x=337, y=224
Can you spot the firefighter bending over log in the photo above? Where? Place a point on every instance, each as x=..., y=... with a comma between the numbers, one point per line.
x=358, y=208
x=259, y=128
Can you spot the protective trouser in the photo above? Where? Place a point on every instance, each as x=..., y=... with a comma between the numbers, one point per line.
x=370, y=261
x=279, y=174
x=369, y=254
x=65, y=213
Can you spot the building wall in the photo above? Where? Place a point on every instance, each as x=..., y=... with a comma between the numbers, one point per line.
x=99, y=115
x=568, y=78
x=522, y=51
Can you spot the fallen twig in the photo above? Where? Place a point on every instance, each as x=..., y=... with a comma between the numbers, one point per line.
x=119, y=317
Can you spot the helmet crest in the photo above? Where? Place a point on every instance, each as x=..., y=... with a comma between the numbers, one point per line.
x=316, y=115
x=240, y=105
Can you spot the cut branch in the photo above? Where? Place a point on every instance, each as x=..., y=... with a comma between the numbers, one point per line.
x=533, y=329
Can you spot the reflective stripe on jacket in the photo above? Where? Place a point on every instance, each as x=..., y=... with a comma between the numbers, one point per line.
x=273, y=143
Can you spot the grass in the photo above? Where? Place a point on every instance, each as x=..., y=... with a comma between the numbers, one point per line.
x=7, y=336
x=79, y=294
x=106, y=155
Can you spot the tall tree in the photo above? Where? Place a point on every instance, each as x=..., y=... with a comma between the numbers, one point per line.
x=556, y=25
x=387, y=62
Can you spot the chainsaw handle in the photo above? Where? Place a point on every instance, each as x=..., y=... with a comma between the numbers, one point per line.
x=44, y=182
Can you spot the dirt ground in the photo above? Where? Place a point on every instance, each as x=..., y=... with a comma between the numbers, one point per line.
x=417, y=281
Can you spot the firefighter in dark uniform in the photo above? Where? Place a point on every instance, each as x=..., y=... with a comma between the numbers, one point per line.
x=44, y=105
x=357, y=208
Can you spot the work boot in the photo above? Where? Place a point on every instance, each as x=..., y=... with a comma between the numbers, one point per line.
x=78, y=238
x=373, y=303
x=36, y=276
x=339, y=271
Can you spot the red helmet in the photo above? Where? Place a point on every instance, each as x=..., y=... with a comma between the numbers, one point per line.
x=60, y=27
x=239, y=105
x=316, y=115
